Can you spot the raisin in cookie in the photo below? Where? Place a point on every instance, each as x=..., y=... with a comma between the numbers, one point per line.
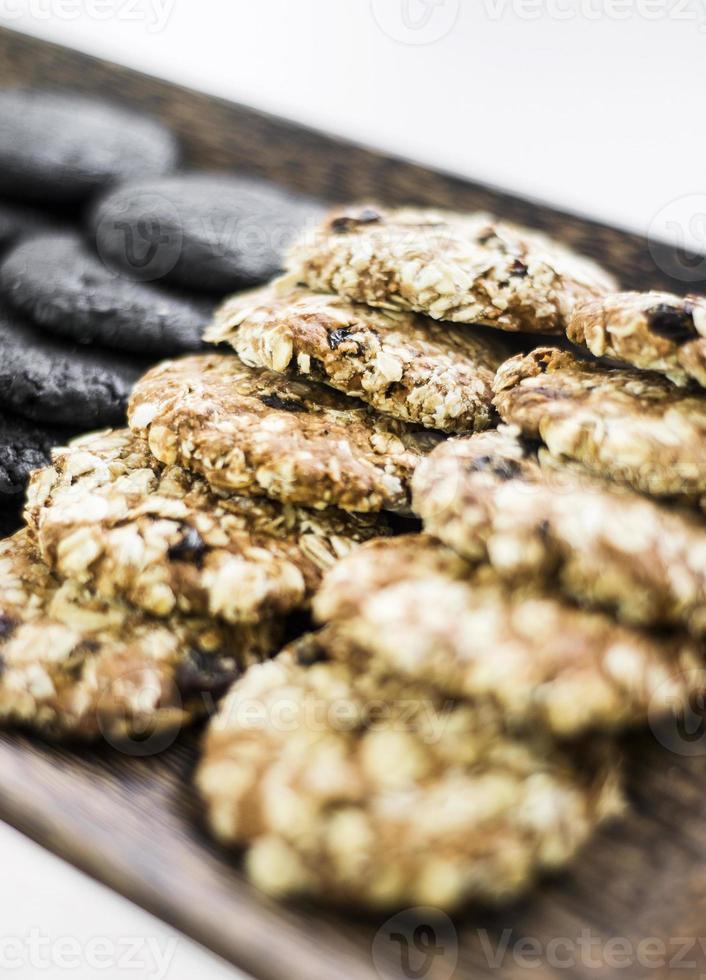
x=408, y=366
x=489, y=498
x=466, y=268
x=382, y=793
x=417, y=608
x=623, y=424
x=78, y=666
x=655, y=331
x=109, y=515
x=252, y=431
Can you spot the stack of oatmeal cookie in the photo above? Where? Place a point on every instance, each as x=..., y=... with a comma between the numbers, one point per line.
x=446, y=730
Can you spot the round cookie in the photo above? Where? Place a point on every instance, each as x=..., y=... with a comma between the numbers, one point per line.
x=418, y=609
x=630, y=426
x=53, y=381
x=408, y=366
x=491, y=498
x=81, y=667
x=466, y=268
x=381, y=793
x=24, y=447
x=61, y=148
x=107, y=514
x=251, y=431
x=56, y=282
x=653, y=331
x=205, y=231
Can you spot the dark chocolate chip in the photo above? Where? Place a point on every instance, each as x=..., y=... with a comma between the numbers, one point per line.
x=336, y=337
x=191, y=547
x=283, y=404
x=204, y=673
x=310, y=652
x=672, y=323
x=518, y=268
x=347, y=222
x=504, y=469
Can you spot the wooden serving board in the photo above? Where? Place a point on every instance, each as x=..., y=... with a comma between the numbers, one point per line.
x=634, y=905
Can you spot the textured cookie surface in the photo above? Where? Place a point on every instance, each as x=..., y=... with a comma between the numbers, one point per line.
x=488, y=498
x=382, y=793
x=626, y=425
x=206, y=231
x=107, y=514
x=75, y=665
x=61, y=148
x=24, y=446
x=418, y=609
x=56, y=282
x=655, y=331
x=466, y=268
x=253, y=431
x=53, y=381
x=405, y=365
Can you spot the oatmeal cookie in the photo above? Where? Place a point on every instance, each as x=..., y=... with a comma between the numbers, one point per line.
x=109, y=515
x=78, y=666
x=625, y=425
x=404, y=365
x=252, y=431
x=382, y=793
x=468, y=268
x=488, y=498
x=654, y=331
x=416, y=608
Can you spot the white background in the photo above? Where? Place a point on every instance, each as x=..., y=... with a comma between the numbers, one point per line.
x=593, y=105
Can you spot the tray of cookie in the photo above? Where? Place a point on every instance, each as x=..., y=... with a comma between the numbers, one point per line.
x=353, y=586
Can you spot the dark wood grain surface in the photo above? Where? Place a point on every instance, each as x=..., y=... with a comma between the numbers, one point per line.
x=634, y=905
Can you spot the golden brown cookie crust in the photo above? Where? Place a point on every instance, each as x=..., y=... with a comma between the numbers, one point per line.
x=419, y=610
x=408, y=366
x=82, y=667
x=109, y=515
x=488, y=498
x=622, y=424
x=467, y=268
x=381, y=793
x=653, y=331
x=255, y=432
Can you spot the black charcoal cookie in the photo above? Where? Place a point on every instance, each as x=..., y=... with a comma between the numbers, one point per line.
x=212, y=232
x=62, y=148
x=56, y=282
x=57, y=382
x=24, y=446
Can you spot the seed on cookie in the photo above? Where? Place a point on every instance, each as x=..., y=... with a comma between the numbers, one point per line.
x=252, y=431
x=408, y=366
x=78, y=666
x=488, y=498
x=654, y=331
x=109, y=515
x=623, y=424
x=371, y=790
x=416, y=608
x=469, y=268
